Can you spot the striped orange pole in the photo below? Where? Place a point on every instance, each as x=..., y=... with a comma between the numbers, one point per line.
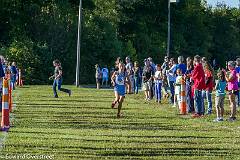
x=183, y=99
x=10, y=96
x=5, y=122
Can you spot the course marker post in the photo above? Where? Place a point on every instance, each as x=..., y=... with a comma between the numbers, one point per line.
x=183, y=100
x=5, y=121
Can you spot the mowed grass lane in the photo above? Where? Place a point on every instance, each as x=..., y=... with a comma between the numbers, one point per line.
x=84, y=127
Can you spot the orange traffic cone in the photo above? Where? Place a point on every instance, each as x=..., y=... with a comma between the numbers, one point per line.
x=183, y=103
x=5, y=122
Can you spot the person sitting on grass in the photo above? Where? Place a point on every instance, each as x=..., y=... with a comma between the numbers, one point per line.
x=220, y=95
x=232, y=82
x=58, y=79
x=119, y=80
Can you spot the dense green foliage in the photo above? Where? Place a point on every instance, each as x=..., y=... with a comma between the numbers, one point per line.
x=34, y=33
x=85, y=127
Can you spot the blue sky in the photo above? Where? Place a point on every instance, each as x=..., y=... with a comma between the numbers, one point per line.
x=232, y=3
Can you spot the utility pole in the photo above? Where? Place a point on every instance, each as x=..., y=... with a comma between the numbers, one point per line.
x=169, y=28
x=169, y=25
x=79, y=44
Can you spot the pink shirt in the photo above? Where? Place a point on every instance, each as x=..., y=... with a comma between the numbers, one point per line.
x=233, y=84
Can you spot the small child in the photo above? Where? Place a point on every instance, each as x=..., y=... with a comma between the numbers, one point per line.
x=119, y=79
x=178, y=87
x=220, y=95
x=158, y=83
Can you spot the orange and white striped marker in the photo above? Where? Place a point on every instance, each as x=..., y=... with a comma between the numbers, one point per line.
x=10, y=99
x=5, y=122
x=183, y=99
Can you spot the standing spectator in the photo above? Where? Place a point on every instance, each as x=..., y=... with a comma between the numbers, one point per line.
x=2, y=75
x=158, y=83
x=105, y=75
x=198, y=77
x=98, y=76
x=13, y=74
x=232, y=81
x=209, y=81
x=154, y=70
x=118, y=60
x=190, y=99
x=220, y=96
x=165, y=65
x=177, y=85
x=147, y=78
x=111, y=73
x=137, y=73
x=181, y=65
x=238, y=74
x=171, y=76
x=129, y=69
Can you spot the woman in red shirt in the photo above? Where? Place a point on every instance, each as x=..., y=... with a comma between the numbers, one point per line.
x=209, y=81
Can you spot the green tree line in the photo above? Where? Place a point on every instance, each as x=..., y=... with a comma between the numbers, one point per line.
x=35, y=32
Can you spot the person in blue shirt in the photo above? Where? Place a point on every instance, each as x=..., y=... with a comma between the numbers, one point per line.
x=171, y=77
x=2, y=75
x=105, y=75
x=220, y=95
x=181, y=64
x=13, y=70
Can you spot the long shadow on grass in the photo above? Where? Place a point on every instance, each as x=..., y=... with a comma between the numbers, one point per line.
x=192, y=152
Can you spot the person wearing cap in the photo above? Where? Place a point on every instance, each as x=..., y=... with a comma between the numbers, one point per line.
x=232, y=83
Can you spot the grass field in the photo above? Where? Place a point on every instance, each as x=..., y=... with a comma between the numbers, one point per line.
x=84, y=127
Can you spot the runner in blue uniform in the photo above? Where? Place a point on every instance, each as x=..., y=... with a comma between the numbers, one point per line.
x=119, y=79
